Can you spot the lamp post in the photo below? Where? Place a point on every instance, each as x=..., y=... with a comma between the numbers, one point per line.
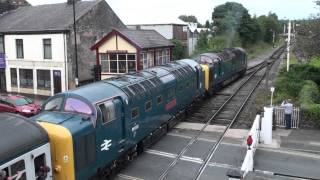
x=75, y=43
x=272, y=91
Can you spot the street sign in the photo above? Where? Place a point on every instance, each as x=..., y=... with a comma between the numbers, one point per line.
x=2, y=61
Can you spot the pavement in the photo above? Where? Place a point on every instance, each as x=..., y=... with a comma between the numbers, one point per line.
x=293, y=154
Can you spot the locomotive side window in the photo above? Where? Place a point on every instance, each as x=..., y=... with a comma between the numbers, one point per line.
x=108, y=111
x=54, y=104
x=148, y=106
x=40, y=167
x=135, y=113
x=14, y=171
x=159, y=100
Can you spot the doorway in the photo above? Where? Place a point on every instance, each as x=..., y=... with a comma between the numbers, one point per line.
x=3, y=87
x=57, y=81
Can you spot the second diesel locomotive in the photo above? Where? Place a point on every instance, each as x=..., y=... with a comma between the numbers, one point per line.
x=94, y=127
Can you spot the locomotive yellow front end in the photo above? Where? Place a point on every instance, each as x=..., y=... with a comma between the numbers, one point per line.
x=61, y=151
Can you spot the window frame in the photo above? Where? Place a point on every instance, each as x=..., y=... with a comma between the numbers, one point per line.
x=114, y=110
x=2, y=46
x=26, y=78
x=9, y=168
x=117, y=62
x=64, y=105
x=44, y=44
x=16, y=77
x=43, y=71
x=138, y=113
x=19, y=43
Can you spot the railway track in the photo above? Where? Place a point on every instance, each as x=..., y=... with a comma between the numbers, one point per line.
x=223, y=109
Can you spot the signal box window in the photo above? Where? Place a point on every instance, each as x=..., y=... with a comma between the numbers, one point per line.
x=148, y=106
x=134, y=113
x=159, y=100
x=108, y=111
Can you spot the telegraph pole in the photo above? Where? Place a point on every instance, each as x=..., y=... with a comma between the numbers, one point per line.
x=288, y=45
x=75, y=43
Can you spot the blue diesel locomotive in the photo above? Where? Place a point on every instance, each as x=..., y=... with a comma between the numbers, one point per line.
x=94, y=128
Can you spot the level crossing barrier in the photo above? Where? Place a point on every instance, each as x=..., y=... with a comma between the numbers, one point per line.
x=252, y=145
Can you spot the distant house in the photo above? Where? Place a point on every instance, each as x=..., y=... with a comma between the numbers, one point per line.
x=170, y=30
x=186, y=33
x=39, y=44
x=128, y=50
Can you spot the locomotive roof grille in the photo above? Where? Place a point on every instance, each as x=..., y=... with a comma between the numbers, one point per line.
x=128, y=91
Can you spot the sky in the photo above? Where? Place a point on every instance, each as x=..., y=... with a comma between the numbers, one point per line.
x=167, y=11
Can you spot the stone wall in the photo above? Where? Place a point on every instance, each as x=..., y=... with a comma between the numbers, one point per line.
x=90, y=28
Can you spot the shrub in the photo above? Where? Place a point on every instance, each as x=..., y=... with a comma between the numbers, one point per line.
x=309, y=94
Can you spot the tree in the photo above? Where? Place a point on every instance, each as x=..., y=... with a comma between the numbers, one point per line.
x=249, y=31
x=202, y=43
x=233, y=20
x=227, y=17
x=178, y=50
x=207, y=24
x=308, y=35
x=190, y=18
x=269, y=25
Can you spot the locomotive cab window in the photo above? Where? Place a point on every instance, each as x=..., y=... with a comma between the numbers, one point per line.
x=108, y=111
x=77, y=106
x=54, y=104
x=135, y=113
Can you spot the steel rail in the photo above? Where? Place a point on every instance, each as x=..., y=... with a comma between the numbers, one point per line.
x=195, y=138
x=216, y=145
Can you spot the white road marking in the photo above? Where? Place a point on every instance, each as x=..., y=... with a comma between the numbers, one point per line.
x=128, y=177
x=205, y=139
x=190, y=159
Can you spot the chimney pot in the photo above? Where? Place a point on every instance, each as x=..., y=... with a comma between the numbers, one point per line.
x=71, y=1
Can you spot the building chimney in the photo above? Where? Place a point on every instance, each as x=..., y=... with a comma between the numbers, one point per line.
x=71, y=1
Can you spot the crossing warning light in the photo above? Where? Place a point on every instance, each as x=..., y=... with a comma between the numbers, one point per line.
x=249, y=141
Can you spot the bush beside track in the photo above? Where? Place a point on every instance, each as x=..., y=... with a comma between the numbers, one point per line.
x=301, y=84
